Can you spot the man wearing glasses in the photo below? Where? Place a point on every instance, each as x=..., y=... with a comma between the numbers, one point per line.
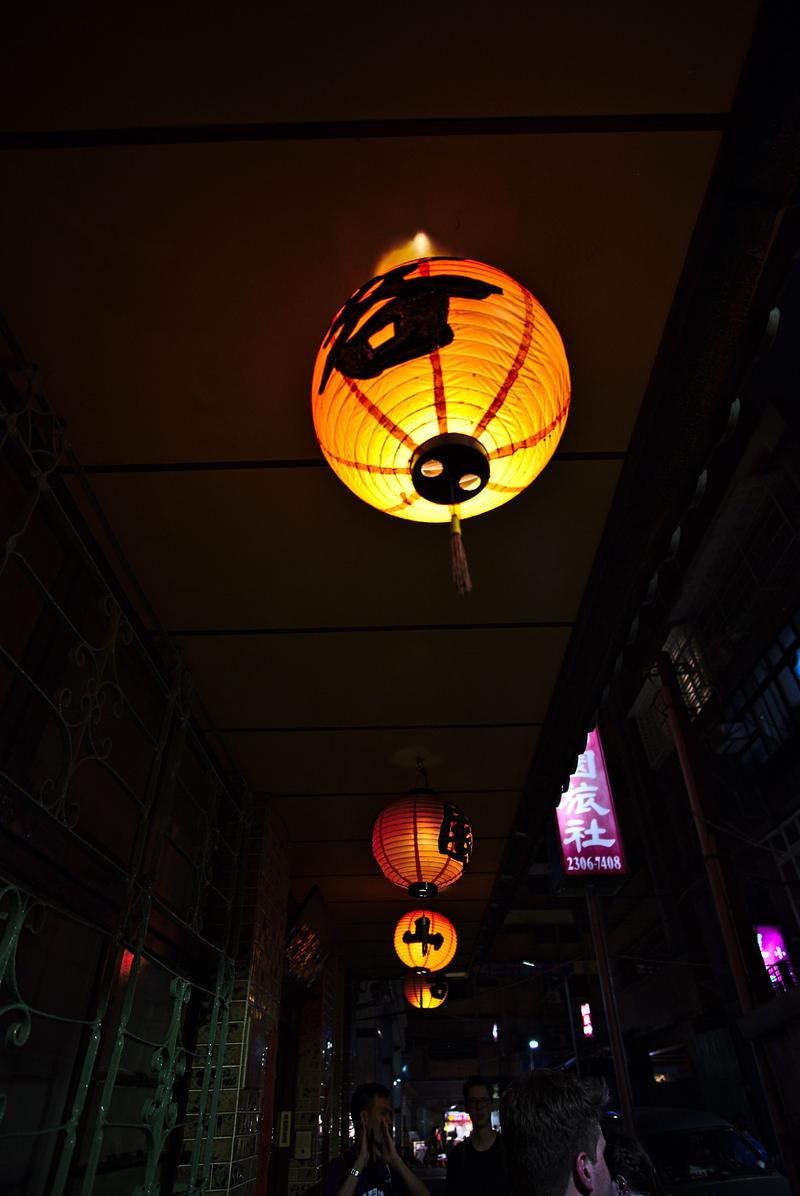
x=477, y=1166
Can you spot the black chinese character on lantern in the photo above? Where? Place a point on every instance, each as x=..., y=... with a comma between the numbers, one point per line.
x=423, y=936
x=409, y=319
x=455, y=834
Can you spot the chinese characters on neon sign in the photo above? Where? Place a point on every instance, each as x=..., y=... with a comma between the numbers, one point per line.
x=586, y=1018
x=587, y=821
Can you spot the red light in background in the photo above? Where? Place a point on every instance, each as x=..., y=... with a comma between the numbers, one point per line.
x=125, y=964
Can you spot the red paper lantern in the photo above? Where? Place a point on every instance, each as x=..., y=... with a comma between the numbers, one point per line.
x=440, y=385
x=424, y=992
x=422, y=843
x=425, y=941
x=440, y=391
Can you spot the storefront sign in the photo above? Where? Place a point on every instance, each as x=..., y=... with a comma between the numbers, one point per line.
x=772, y=946
x=587, y=822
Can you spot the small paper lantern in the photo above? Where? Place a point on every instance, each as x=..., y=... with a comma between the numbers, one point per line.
x=440, y=391
x=425, y=941
x=424, y=992
x=422, y=843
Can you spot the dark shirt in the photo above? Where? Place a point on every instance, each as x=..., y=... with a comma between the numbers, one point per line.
x=377, y=1179
x=472, y=1172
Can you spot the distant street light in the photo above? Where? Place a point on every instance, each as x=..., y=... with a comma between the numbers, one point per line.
x=533, y=1045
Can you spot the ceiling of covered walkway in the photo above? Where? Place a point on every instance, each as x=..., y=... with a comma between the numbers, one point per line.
x=187, y=202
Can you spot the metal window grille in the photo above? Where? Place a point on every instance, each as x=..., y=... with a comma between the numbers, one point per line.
x=691, y=668
x=782, y=976
x=695, y=684
x=763, y=714
x=120, y=864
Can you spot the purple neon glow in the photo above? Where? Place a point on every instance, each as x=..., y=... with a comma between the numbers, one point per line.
x=772, y=946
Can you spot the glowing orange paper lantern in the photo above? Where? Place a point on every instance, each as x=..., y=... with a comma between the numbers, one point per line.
x=440, y=391
x=424, y=992
x=422, y=843
x=425, y=940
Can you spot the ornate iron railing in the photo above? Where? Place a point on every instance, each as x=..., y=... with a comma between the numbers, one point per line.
x=120, y=849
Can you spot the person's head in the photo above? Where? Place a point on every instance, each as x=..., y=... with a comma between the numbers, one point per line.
x=554, y=1143
x=370, y=1109
x=631, y=1167
x=477, y=1094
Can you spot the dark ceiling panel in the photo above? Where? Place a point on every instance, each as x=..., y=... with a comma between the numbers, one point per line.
x=289, y=549
x=285, y=62
x=420, y=679
x=175, y=297
x=189, y=288
x=357, y=762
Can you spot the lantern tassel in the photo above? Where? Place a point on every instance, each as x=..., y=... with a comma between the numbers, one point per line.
x=458, y=557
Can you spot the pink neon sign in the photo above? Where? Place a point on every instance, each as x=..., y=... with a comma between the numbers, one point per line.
x=772, y=946
x=587, y=821
x=586, y=1017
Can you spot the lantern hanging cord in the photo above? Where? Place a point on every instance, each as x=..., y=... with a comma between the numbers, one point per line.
x=458, y=557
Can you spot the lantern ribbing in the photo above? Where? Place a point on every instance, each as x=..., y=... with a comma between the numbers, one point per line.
x=425, y=940
x=424, y=992
x=435, y=349
x=422, y=843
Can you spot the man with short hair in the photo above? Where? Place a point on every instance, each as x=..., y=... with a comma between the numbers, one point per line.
x=373, y=1167
x=554, y=1142
x=477, y=1166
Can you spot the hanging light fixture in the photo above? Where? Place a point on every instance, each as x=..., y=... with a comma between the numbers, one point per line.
x=440, y=391
x=424, y=992
x=422, y=843
x=425, y=940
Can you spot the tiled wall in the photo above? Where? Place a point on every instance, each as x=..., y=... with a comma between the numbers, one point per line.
x=317, y=1093
x=341, y=1079
x=253, y=1012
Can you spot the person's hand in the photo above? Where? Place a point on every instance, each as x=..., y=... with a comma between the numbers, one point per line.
x=388, y=1147
x=377, y=1151
x=363, y=1151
